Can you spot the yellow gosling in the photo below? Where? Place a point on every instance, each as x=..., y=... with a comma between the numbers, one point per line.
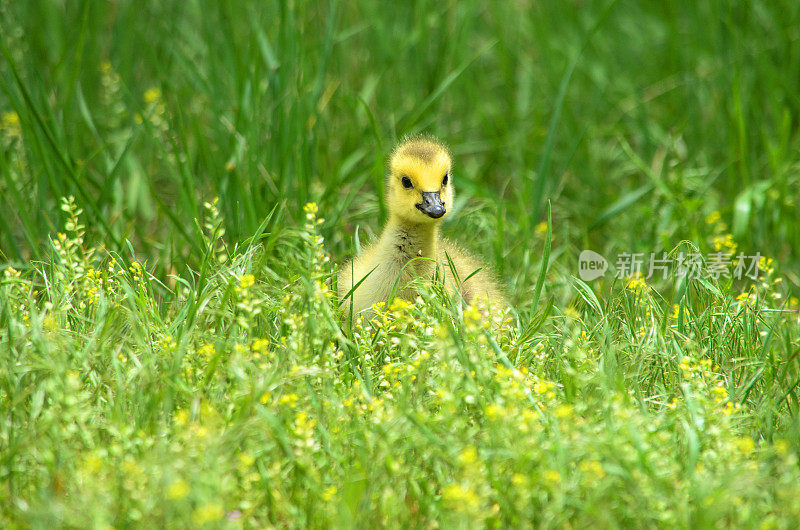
x=419, y=191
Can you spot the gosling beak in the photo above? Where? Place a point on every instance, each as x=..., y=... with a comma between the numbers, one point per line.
x=431, y=204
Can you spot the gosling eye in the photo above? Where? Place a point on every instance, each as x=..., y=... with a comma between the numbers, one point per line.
x=407, y=183
x=444, y=180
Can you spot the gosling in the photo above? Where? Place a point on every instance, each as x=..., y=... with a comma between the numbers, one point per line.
x=419, y=192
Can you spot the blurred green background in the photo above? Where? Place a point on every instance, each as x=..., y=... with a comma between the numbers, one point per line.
x=636, y=119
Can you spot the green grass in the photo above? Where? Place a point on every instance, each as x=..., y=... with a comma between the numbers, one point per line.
x=170, y=347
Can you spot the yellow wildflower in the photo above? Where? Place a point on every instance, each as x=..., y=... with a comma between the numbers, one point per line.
x=247, y=281
x=493, y=411
x=329, y=493
x=182, y=417
x=745, y=444
x=725, y=242
x=571, y=312
x=178, y=490
x=289, y=399
x=260, y=345
x=460, y=497
x=93, y=463
x=635, y=282
x=207, y=350
x=552, y=476
x=471, y=316
x=593, y=468
x=399, y=305
x=311, y=210
x=207, y=513
x=10, y=121
x=564, y=411
x=541, y=387
x=246, y=460
x=468, y=456
x=152, y=94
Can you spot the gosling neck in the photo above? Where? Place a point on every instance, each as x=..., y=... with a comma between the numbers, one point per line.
x=412, y=240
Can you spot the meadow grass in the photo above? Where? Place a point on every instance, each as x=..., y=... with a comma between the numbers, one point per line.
x=178, y=180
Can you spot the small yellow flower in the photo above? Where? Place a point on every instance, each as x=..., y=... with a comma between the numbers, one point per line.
x=399, y=305
x=529, y=418
x=745, y=444
x=201, y=432
x=246, y=460
x=178, y=490
x=571, y=312
x=713, y=217
x=720, y=393
x=311, y=210
x=93, y=463
x=460, y=497
x=765, y=264
x=329, y=493
x=782, y=447
x=9, y=120
x=468, y=456
x=564, y=411
x=207, y=350
x=303, y=422
x=247, y=281
x=541, y=228
x=725, y=242
x=471, y=316
x=552, y=476
x=289, y=399
x=207, y=513
x=635, y=282
x=493, y=411
x=260, y=345
x=182, y=417
x=131, y=467
x=265, y=397
x=686, y=364
x=730, y=408
x=152, y=94
x=743, y=296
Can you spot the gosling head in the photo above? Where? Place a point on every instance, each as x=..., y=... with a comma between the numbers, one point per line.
x=419, y=184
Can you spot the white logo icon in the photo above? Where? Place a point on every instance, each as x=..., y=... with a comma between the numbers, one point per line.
x=591, y=265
